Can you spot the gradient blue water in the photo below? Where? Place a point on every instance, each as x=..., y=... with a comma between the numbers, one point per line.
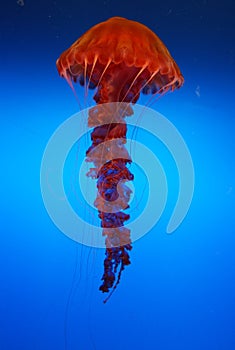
x=178, y=293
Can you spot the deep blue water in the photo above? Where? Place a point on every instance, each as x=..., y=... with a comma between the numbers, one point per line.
x=178, y=292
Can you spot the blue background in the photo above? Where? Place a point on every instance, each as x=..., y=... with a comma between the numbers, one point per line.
x=178, y=293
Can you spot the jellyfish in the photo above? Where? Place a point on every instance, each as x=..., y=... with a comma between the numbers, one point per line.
x=119, y=59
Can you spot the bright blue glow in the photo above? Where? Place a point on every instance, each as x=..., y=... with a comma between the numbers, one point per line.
x=178, y=293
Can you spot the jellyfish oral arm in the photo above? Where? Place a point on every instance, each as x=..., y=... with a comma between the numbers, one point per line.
x=110, y=158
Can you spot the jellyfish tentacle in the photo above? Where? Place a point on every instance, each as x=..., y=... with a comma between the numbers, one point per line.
x=85, y=79
x=104, y=70
x=133, y=82
x=92, y=69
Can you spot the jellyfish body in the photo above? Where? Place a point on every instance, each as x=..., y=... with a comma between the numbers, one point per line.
x=120, y=58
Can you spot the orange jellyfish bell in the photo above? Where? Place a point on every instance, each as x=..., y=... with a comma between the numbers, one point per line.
x=121, y=59
x=121, y=52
